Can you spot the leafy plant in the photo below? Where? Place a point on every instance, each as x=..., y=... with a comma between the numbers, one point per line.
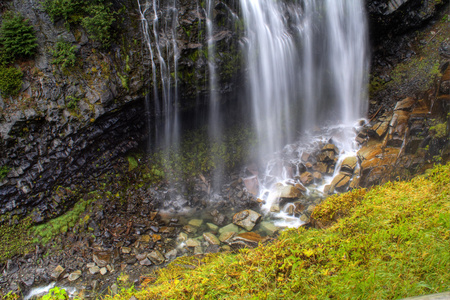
x=10, y=81
x=56, y=293
x=73, y=101
x=17, y=36
x=98, y=23
x=68, y=10
x=64, y=54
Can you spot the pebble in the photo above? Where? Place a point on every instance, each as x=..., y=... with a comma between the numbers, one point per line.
x=74, y=275
x=126, y=250
x=192, y=243
x=57, y=272
x=103, y=271
x=94, y=270
x=196, y=222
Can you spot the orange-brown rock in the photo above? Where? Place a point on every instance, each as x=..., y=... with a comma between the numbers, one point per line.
x=306, y=178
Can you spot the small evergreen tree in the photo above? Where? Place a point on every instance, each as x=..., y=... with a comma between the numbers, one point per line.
x=17, y=37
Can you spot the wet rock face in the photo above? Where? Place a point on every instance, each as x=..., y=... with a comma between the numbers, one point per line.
x=42, y=155
x=394, y=17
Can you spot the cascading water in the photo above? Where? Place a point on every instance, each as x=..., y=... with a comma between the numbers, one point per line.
x=165, y=102
x=307, y=62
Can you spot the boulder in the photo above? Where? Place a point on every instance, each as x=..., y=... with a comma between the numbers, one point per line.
x=252, y=185
x=247, y=219
x=348, y=165
x=288, y=191
x=245, y=240
x=306, y=178
x=101, y=258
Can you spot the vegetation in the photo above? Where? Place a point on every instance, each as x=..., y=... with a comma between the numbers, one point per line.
x=4, y=170
x=15, y=239
x=45, y=232
x=10, y=81
x=17, y=37
x=64, y=54
x=96, y=17
x=56, y=293
x=393, y=244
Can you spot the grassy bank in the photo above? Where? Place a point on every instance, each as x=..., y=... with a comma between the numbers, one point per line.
x=389, y=242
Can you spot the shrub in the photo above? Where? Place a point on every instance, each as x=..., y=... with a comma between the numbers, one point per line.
x=64, y=54
x=17, y=36
x=10, y=81
x=62, y=9
x=98, y=23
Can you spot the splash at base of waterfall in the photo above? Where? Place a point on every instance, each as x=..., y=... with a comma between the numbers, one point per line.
x=301, y=175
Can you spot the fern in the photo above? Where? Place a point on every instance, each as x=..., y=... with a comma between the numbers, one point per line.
x=17, y=37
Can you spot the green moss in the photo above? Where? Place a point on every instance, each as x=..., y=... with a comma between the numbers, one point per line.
x=46, y=232
x=439, y=130
x=124, y=80
x=394, y=244
x=132, y=163
x=15, y=239
x=10, y=81
x=4, y=170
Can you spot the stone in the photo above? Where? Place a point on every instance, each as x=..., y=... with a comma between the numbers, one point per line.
x=304, y=218
x=224, y=237
x=196, y=222
x=192, y=243
x=57, y=272
x=103, y=271
x=126, y=250
x=110, y=268
x=101, y=258
x=190, y=229
x=229, y=228
x=182, y=237
x=349, y=164
x=247, y=219
x=306, y=178
x=405, y=104
x=172, y=254
x=145, y=238
x=145, y=262
x=268, y=227
x=340, y=182
x=211, y=238
x=246, y=239
x=275, y=208
x=94, y=270
x=141, y=256
x=212, y=227
x=156, y=257
x=74, y=275
x=252, y=185
x=198, y=250
x=114, y=289
x=330, y=147
x=288, y=191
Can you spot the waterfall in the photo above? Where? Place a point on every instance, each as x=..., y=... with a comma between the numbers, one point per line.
x=306, y=62
x=163, y=108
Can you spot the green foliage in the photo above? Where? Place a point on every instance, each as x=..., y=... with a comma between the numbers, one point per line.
x=64, y=54
x=17, y=36
x=68, y=10
x=10, y=81
x=95, y=16
x=56, y=293
x=98, y=23
x=73, y=102
x=393, y=244
x=4, y=170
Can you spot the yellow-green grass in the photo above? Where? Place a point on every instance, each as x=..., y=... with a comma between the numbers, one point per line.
x=393, y=241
